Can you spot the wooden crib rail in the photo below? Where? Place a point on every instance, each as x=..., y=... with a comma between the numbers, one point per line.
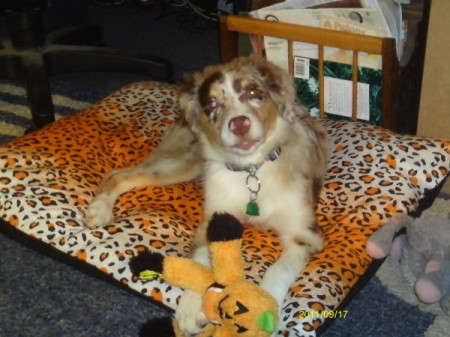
x=231, y=26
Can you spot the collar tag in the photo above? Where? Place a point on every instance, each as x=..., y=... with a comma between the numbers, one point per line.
x=252, y=208
x=253, y=185
x=252, y=181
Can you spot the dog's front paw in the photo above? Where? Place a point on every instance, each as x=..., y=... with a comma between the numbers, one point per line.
x=189, y=315
x=99, y=213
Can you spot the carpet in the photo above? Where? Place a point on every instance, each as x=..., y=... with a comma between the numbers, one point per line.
x=42, y=297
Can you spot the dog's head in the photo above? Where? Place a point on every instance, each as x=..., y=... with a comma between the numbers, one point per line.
x=239, y=106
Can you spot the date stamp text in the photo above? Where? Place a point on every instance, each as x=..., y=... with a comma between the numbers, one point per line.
x=322, y=314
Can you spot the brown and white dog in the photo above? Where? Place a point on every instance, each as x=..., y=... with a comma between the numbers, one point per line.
x=262, y=157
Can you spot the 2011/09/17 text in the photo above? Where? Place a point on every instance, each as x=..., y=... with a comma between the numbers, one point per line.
x=322, y=314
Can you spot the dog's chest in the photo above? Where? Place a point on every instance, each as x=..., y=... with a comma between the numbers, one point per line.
x=232, y=191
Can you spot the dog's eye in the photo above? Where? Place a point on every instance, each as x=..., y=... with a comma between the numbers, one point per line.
x=211, y=108
x=254, y=92
x=212, y=104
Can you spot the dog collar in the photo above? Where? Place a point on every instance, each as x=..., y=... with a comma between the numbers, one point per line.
x=252, y=181
x=272, y=156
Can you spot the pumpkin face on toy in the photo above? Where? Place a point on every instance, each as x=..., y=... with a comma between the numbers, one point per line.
x=240, y=309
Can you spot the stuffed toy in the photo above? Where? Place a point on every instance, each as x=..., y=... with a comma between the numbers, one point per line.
x=234, y=306
x=423, y=252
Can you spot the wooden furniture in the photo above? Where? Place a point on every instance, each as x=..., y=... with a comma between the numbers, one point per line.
x=232, y=26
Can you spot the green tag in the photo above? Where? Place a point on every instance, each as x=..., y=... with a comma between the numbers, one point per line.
x=252, y=208
x=266, y=322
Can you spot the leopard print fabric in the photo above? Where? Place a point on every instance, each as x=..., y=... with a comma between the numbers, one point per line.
x=49, y=177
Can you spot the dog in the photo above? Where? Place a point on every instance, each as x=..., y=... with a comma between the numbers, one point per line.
x=262, y=156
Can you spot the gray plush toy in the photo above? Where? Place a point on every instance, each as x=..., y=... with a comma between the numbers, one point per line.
x=423, y=253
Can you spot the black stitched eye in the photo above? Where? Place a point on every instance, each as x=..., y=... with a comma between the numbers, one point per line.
x=242, y=309
x=240, y=328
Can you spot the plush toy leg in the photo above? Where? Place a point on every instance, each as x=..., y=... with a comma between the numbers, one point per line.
x=380, y=243
x=428, y=287
x=397, y=247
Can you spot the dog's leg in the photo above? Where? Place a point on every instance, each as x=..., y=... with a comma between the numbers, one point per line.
x=298, y=247
x=176, y=160
x=189, y=314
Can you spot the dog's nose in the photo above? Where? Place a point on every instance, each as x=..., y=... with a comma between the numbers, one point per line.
x=240, y=125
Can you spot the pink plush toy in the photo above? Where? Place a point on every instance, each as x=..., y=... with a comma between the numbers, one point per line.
x=423, y=253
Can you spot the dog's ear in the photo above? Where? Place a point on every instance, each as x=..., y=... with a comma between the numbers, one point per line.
x=281, y=87
x=187, y=102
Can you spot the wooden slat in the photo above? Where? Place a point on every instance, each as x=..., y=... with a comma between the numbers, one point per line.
x=290, y=57
x=321, y=82
x=229, y=44
x=288, y=31
x=355, y=85
x=260, y=45
x=390, y=86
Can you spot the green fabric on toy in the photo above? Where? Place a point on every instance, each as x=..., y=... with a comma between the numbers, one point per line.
x=423, y=253
x=234, y=306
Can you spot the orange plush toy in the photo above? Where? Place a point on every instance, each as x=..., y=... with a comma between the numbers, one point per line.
x=234, y=306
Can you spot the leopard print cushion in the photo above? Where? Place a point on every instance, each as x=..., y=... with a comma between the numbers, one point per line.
x=49, y=177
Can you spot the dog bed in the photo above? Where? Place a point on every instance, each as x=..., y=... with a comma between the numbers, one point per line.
x=49, y=177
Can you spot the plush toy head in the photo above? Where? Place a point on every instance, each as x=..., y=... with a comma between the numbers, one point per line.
x=242, y=309
x=423, y=253
x=234, y=306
